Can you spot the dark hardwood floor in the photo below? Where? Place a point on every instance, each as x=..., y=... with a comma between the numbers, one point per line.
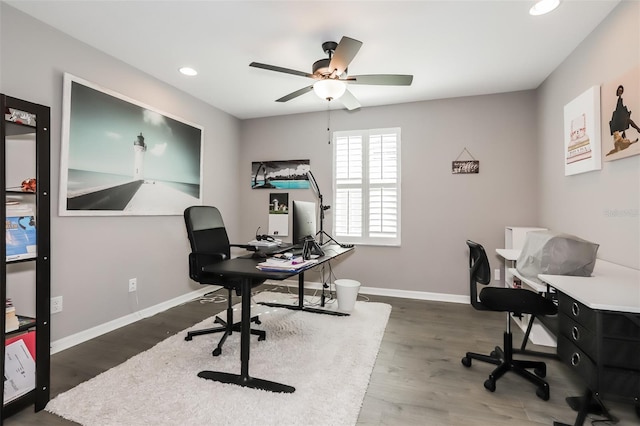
x=418, y=378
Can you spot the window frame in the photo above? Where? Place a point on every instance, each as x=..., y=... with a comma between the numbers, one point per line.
x=365, y=186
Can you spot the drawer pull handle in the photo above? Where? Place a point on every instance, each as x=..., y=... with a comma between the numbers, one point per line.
x=575, y=359
x=575, y=309
x=575, y=333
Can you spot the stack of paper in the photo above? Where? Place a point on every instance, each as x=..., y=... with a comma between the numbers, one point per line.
x=287, y=265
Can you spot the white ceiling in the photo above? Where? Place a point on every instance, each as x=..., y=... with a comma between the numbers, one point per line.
x=453, y=48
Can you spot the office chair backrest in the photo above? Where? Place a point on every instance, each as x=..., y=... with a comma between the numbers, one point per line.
x=479, y=272
x=208, y=238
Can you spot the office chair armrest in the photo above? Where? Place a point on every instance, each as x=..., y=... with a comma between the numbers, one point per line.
x=216, y=257
x=197, y=260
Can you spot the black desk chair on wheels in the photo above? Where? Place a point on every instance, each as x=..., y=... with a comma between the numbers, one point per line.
x=210, y=244
x=510, y=300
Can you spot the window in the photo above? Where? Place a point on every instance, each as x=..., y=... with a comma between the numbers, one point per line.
x=366, y=192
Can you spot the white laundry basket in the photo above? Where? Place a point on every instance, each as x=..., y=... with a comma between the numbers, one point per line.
x=347, y=292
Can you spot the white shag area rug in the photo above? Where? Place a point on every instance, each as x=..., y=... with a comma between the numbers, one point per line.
x=328, y=359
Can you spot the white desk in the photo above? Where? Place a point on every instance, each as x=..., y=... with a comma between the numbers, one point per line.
x=509, y=254
x=611, y=287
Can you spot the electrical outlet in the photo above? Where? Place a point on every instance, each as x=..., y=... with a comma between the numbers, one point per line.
x=496, y=274
x=133, y=284
x=56, y=304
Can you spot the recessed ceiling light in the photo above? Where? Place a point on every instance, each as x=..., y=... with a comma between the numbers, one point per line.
x=188, y=71
x=543, y=6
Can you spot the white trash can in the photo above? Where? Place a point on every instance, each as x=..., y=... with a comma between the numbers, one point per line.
x=347, y=292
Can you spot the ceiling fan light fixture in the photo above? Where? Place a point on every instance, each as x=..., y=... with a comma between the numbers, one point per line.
x=329, y=89
x=543, y=6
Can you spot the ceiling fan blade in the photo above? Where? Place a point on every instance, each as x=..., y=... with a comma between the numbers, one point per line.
x=295, y=94
x=381, y=79
x=344, y=54
x=280, y=69
x=349, y=101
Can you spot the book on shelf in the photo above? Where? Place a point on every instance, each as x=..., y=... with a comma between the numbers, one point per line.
x=274, y=264
x=19, y=366
x=11, y=322
x=20, y=232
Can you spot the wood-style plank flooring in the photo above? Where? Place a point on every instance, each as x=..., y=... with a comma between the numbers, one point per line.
x=418, y=378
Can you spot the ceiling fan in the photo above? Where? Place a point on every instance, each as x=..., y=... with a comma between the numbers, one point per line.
x=331, y=74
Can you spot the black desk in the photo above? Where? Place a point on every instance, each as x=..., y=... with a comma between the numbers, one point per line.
x=246, y=270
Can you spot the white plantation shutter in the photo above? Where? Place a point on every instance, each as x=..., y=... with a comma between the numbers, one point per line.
x=367, y=186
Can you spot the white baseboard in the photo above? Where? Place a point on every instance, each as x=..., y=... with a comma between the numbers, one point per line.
x=405, y=294
x=91, y=333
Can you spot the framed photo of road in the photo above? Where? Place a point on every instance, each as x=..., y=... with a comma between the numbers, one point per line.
x=120, y=157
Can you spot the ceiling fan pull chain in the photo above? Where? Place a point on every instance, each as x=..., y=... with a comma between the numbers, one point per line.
x=329, y=122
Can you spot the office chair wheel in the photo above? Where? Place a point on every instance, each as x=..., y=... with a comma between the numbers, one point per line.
x=257, y=321
x=261, y=338
x=543, y=393
x=466, y=361
x=494, y=354
x=188, y=338
x=216, y=352
x=490, y=385
x=540, y=372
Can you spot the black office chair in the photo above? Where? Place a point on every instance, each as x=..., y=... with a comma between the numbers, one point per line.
x=210, y=244
x=510, y=300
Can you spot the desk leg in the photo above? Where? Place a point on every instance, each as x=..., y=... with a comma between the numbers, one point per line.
x=300, y=306
x=243, y=379
x=585, y=403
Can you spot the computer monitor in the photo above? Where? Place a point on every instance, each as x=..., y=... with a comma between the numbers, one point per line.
x=304, y=220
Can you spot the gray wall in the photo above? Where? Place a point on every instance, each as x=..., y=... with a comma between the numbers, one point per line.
x=440, y=211
x=93, y=257
x=602, y=206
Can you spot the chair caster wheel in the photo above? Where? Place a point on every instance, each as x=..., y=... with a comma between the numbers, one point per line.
x=466, y=361
x=494, y=354
x=540, y=372
x=216, y=352
x=188, y=338
x=261, y=338
x=257, y=321
x=543, y=393
x=490, y=385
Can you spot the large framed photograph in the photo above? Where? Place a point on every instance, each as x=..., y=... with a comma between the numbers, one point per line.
x=120, y=157
x=582, y=133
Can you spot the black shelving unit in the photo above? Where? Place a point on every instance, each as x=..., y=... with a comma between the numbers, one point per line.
x=22, y=119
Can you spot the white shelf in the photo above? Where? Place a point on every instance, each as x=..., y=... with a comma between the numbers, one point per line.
x=514, y=238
